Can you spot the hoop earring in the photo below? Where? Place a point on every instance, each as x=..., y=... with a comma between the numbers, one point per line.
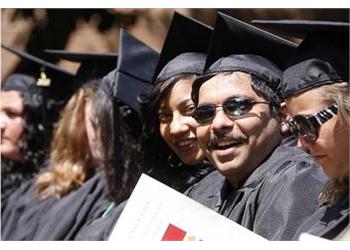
x=174, y=161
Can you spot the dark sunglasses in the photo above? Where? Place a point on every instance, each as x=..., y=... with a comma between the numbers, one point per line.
x=233, y=107
x=307, y=127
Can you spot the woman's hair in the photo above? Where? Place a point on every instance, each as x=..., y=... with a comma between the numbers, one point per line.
x=156, y=151
x=333, y=190
x=338, y=93
x=129, y=152
x=70, y=159
x=34, y=142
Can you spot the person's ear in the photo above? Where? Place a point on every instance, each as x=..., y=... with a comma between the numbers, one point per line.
x=283, y=115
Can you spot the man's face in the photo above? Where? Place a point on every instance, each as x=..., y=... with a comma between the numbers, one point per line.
x=236, y=145
x=12, y=123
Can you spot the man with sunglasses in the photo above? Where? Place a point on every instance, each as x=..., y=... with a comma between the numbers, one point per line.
x=265, y=183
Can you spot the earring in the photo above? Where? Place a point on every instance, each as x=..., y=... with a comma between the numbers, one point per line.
x=174, y=161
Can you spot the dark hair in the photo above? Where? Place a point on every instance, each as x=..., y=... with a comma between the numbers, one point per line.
x=34, y=145
x=157, y=151
x=128, y=140
x=263, y=89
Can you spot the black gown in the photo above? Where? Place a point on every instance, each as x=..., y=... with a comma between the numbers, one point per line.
x=274, y=200
x=13, y=175
x=101, y=227
x=27, y=218
x=21, y=212
x=328, y=222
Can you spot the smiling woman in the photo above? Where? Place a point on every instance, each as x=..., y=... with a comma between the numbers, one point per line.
x=172, y=152
x=177, y=126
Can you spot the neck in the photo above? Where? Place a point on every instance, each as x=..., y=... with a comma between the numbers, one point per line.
x=237, y=180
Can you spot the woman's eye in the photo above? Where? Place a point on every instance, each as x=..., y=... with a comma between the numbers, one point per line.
x=189, y=110
x=164, y=118
x=12, y=113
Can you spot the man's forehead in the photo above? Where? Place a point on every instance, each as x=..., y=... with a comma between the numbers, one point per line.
x=226, y=84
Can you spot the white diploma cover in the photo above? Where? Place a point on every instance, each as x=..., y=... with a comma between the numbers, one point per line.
x=158, y=213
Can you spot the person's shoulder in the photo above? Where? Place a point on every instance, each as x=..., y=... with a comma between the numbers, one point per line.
x=210, y=184
x=293, y=167
x=101, y=228
x=292, y=158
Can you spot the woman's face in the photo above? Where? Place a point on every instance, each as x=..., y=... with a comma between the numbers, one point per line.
x=331, y=149
x=177, y=127
x=12, y=124
x=93, y=131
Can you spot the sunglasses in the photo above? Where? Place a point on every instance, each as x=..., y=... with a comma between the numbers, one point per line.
x=307, y=127
x=233, y=107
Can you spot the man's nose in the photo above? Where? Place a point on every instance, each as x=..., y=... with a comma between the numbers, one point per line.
x=220, y=120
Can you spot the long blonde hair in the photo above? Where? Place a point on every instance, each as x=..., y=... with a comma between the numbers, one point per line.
x=70, y=157
x=338, y=93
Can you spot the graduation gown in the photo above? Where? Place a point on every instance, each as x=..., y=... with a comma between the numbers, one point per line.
x=328, y=222
x=27, y=218
x=21, y=212
x=70, y=213
x=100, y=228
x=13, y=175
x=274, y=200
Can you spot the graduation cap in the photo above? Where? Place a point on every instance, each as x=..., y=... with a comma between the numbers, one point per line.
x=93, y=65
x=57, y=81
x=135, y=68
x=300, y=28
x=184, y=49
x=321, y=58
x=18, y=82
x=55, y=86
x=238, y=46
x=132, y=77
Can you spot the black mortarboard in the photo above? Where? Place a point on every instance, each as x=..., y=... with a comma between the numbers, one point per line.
x=93, y=65
x=300, y=28
x=184, y=49
x=238, y=46
x=55, y=86
x=132, y=77
x=321, y=58
x=18, y=82
x=135, y=68
x=58, y=81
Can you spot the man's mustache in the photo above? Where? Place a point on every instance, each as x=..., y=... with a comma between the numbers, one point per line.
x=226, y=136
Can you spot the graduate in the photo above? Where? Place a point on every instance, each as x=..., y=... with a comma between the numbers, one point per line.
x=31, y=102
x=70, y=182
x=181, y=60
x=316, y=88
x=132, y=77
x=263, y=182
x=172, y=152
